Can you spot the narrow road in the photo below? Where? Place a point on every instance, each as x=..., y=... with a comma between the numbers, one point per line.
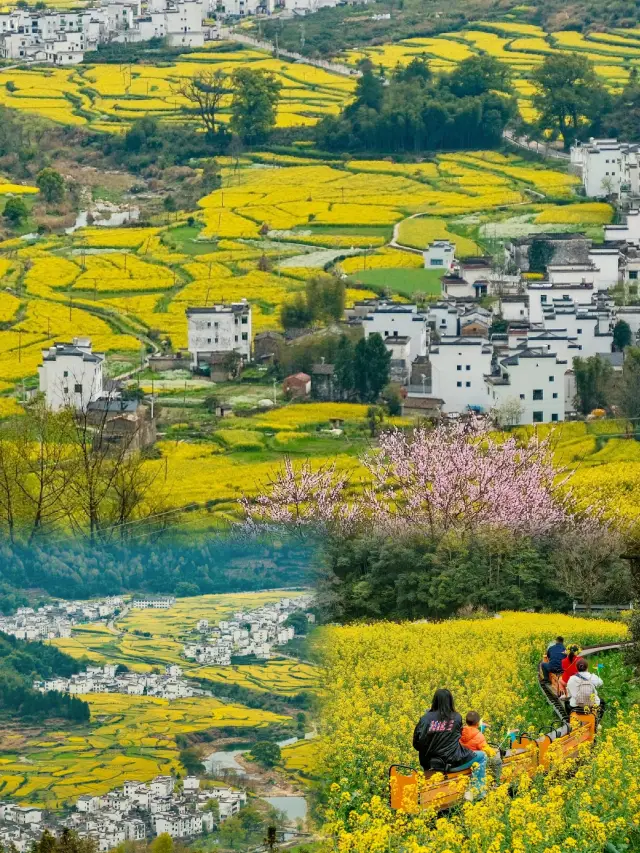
x=335, y=67
x=537, y=147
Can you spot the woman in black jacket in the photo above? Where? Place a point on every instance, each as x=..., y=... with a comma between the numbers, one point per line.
x=437, y=739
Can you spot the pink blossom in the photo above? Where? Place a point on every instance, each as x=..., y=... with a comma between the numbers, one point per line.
x=456, y=477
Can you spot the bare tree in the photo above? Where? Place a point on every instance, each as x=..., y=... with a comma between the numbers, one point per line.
x=46, y=467
x=205, y=90
x=11, y=473
x=586, y=560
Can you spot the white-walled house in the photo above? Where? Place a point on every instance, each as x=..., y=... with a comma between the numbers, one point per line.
x=458, y=368
x=394, y=320
x=607, y=167
x=543, y=294
x=71, y=375
x=440, y=255
x=533, y=379
x=581, y=326
x=219, y=329
x=628, y=231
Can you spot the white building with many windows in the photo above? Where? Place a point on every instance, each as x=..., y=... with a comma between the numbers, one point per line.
x=219, y=329
x=71, y=375
x=607, y=167
x=531, y=380
x=458, y=367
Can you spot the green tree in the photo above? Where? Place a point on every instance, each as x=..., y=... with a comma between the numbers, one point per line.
x=162, y=844
x=593, y=377
x=371, y=367
x=540, y=254
x=191, y=761
x=621, y=335
x=627, y=393
x=51, y=185
x=266, y=752
x=375, y=417
x=15, y=210
x=325, y=296
x=296, y=314
x=369, y=90
x=344, y=367
x=570, y=96
x=254, y=106
x=479, y=74
x=379, y=362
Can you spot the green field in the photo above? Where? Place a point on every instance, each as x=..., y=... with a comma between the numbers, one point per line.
x=404, y=281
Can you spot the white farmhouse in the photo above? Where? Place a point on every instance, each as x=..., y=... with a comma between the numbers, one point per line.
x=71, y=375
x=440, y=255
x=458, y=367
x=393, y=320
x=531, y=379
x=219, y=329
x=607, y=167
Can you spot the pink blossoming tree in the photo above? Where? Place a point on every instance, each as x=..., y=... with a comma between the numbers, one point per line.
x=454, y=478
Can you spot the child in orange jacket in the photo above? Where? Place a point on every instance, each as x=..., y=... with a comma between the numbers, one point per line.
x=473, y=738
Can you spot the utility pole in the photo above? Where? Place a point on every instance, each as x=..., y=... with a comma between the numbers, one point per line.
x=275, y=392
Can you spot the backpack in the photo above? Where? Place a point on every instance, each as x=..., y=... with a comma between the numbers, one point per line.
x=586, y=694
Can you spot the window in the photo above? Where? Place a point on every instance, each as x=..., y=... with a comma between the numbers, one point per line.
x=554, y=417
x=543, y=298
x=459, y=384
x=436, y=262
x=236, y=339
x=78, y=388
x=208, y=325
x=459, y=367
x=245, y=336
x=245, y=320
x=468, y=367
x=208, y=340
x=468, y=384
x=65, y=390
x=579, y=331
x=236, y=321
x=537, y=417
x=633, y=275
x=537, y=394
x=555, y=395
x=522, y=396
x=215, y=325
x=65, y=374
x=216, y=340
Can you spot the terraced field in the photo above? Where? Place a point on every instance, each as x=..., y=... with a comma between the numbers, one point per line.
x=168, y=630
x=520, y=46
x=134, y=736
x=129, y=737
x=110, y=97
x=118, y=285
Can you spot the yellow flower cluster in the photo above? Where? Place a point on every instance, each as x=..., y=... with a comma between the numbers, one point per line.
x=590, y=213
x=420, y=231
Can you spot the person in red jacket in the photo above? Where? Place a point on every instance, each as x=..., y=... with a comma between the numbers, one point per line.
x=569, y=666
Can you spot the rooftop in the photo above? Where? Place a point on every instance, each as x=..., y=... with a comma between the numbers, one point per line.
x=231, y=308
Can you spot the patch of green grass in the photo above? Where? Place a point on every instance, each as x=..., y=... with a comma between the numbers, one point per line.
x=404, y=281
x=184, y=239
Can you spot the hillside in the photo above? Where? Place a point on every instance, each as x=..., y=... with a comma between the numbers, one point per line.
x=21, y=663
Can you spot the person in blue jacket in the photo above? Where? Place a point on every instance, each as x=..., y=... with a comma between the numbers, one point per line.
x=556, y=653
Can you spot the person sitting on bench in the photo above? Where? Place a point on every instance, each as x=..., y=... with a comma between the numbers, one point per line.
x=437, y=739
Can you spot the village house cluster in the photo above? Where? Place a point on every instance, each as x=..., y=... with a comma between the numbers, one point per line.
x=254, y=632
x=449, y=356
x=56, y=620
x=134, y=812
x=109, y=679
x=60, y=37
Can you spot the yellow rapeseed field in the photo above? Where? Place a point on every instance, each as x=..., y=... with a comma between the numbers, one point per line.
x=380, y=679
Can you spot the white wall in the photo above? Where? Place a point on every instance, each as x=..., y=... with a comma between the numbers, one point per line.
x=444, y=318
x=399, y=321
x=219, y=331
x=542, y=373
x=439, y=255
x=607, y=265
x=583, y=329
x=458, y=368
x=59, y=378
x=546, y=294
